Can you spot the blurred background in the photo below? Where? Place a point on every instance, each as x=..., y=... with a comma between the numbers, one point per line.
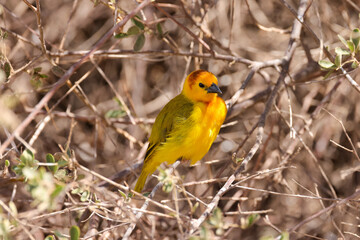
x=105, y=112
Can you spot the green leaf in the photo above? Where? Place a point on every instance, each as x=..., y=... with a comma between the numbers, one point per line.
x=37, y=69
x=252, y=218
x=355, y=37
x=249, y=221
x=27, y=157
x=13, y=208
x=62, y=163
x=354, y=64
x=7, y=69
x=58, y=189
x=338, y=60
x=74, y=233
x=85, y=196
x=61, y=175
x=122, y=194
x=239, y=160
x=328, y=74
x=76, y=191
x=351, y=46
x=134, y=30
x=50, y=159
x=342, y=40
x=137, y=22
x=115, y=113
x=43, y=75
x=80, y=177
x=196, y=205
x=140, y=41
x=284, y=236
x=341, y=51
x=121, y=35
x=326, y=64
x=159, y=30
x=50, y=237
x=59, y=234
x=7, y=163
x=57, y=71
x=204, y=233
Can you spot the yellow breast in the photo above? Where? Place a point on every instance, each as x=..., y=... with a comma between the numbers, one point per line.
x=208, y=119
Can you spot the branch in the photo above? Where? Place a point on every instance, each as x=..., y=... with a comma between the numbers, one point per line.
x=146, y=204
x=295, y=34
x=67, y=75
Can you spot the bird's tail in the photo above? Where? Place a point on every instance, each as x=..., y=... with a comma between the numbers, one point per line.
x=141, y=181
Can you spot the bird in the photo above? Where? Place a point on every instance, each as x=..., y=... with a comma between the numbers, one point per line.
x=187, y=125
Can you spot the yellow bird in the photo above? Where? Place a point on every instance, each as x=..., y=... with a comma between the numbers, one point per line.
x=187, y=126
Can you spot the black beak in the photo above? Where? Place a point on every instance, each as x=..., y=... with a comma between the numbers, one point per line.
x=214, y=89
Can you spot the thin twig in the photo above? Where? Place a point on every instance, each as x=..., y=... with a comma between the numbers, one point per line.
x=146, y=204
x=67, y=75
x=295, y=34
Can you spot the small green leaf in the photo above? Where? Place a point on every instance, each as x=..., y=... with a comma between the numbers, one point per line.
x=351, y=46
x=7, y=69
x=76, y=191
x=204, y=233
x=355, y=37
x=80, y=177
x=59, y=234
x=140, y=41
x=7, y=163
x=37, y=69
x=74, y=233
x=57, y=71
x=326, y=64
x=354, y=64
x=115, y=113
x=134, y=30
x=27, y=157
x=168, y=186
x=341, y=51
x=58, y=189
x=121, y=35
x=146, y=194
x=49, y=237
x=122, y=194
x=196, y=205
x=62, y=163
x=43, y=76
x=328, y=74
x=85, y=196
x=50, y=159
x=61, y=175
x=159, y=30
x=284, y=236
x=252, y=218
x=249, y=221
x=239, y=160
x=338, y=60
x=342, y=40
x=137, y=22
x=13, y=208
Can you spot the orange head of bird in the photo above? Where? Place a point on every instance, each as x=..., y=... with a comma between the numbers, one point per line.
x=201, y=86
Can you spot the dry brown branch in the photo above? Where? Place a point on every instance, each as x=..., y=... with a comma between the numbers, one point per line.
x=295, y=34
x=67, y=74
x=298, y=160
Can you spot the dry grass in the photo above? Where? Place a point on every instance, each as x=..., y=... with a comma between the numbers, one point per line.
x=60, y=98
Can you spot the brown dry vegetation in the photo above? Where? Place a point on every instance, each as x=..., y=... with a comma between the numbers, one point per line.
x=302, y=182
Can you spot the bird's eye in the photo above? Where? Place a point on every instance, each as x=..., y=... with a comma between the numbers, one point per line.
x=201, y=85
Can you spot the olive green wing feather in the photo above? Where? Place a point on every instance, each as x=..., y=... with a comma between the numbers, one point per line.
x=176, y=111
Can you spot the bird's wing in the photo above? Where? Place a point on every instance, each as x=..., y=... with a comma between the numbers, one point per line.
x=175, y=112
